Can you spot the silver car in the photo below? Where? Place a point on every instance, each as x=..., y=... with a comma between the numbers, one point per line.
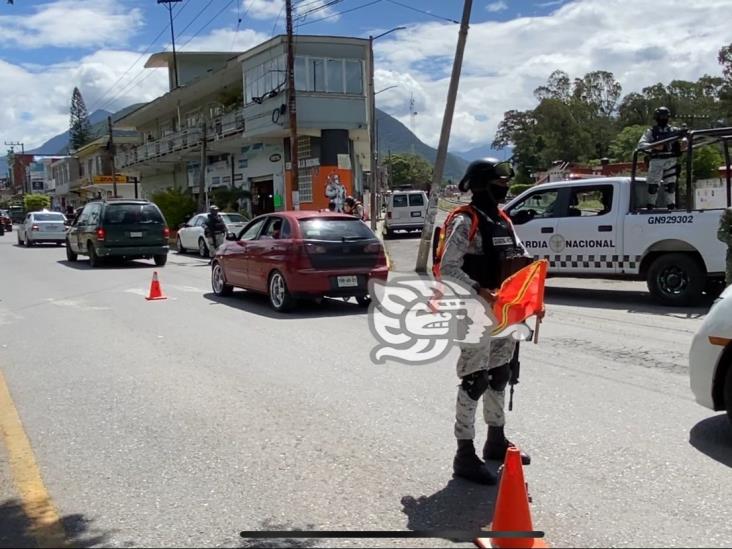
x=45, y=226
x=191, y=234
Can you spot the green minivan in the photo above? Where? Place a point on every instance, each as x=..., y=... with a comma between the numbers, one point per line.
x=127, y=229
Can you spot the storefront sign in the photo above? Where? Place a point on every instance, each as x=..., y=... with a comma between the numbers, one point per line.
x=276, y=157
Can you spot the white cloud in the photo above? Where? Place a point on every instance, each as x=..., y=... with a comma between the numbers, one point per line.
x=42, y=109
x=497, y=6
x=227, y=40
x=505, y=61
x=71, y=23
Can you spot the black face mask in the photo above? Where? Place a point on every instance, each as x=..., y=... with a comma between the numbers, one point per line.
x=662, y=122
x=488, y=198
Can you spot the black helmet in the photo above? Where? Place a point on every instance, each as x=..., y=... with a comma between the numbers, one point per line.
x=661, y=113
x=485, y=171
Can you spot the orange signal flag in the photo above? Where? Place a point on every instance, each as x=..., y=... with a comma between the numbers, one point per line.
x=521, y=295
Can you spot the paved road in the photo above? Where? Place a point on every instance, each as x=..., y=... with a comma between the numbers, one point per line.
x=182, y=422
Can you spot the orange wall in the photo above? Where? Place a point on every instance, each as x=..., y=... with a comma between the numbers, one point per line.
x=321, y=175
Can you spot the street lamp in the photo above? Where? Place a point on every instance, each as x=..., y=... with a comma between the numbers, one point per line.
x=372, y=123
x=172, y=37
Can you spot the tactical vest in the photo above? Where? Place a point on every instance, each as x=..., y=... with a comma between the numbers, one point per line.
x=502, y=256
x=670, y=150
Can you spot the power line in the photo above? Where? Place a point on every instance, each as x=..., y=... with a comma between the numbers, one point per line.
x=146, y=50
x=209, y=22
x=328, y=4
x=424, y=12
x=277, y=19
x=340, y=13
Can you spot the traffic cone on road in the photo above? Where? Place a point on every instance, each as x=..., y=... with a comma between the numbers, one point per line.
x=512, y=513
x=155, y=291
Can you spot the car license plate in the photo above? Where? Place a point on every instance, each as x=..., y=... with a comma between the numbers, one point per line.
x=347, y=281
x=135, y=235
x=416, y=214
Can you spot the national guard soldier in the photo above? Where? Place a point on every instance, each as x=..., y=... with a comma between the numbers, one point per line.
x=481, y=249
x=725, y=235
x=663, y=167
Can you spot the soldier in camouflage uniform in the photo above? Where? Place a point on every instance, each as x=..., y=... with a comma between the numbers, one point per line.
x=725, y=235
x=664, y=160
x=483, y=263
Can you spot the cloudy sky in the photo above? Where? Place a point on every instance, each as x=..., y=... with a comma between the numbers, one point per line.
x=50, y=46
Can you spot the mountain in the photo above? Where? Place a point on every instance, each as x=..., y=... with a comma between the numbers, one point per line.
x=484, y=151
x=397, y=138
x=98, y=119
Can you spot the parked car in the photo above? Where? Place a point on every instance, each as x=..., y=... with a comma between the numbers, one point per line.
x=42, y=227
x=5, y=221
x=710, y=357
x=127, y=229
x=405, y=211
x=191, y=234
x=300, y=254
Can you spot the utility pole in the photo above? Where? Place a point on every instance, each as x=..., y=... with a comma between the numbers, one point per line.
x=202, y=171
x=426, y=240
x=111, y=154
x=292, y=109
x=372, y=132
x=172, y=38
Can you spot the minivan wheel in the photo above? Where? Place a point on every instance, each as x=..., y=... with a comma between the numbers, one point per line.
x=202, y=248
x=70, y=254
x=218, y=281
x=279, y=296
x=160, y=260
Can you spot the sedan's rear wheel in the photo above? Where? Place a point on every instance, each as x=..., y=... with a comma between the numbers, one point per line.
x=728, y=394
x=179, y=245
x=28, y=242
x=218, y=281
x=363, y=301
x=279, y=296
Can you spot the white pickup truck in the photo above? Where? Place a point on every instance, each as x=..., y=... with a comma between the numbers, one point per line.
x=588, y=228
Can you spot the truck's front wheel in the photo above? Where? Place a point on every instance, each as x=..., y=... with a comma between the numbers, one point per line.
x=676, y=279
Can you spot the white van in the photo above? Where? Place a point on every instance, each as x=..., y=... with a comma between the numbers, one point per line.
x=405, y=211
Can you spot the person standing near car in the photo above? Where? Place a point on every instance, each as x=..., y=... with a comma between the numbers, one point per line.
x=725, y=235
x=215, y=230
x=481, y=249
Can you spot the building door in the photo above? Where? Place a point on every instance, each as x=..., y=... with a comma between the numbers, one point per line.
x=262, y=197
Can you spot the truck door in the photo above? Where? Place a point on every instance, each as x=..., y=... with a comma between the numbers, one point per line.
x=535, y=218
x=589, y=230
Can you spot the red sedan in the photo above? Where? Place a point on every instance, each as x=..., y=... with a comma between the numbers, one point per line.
x=300, y=254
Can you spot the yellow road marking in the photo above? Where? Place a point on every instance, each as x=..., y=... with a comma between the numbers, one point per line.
x=44, y=520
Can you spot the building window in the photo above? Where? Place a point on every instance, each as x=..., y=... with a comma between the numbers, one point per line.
x=354, y=77
x=269, y=76
x=305, y=185
x=315, y=74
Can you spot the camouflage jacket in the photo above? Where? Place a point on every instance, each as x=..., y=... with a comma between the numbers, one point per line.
x=458, y=245
x=725, y=227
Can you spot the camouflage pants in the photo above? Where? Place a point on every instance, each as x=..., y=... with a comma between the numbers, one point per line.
x=492, y=354
x=661, y=178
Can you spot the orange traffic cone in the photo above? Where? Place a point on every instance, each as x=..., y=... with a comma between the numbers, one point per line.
x=512, y=513
x=155, y=291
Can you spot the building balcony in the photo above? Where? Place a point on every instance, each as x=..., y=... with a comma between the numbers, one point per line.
x=152, y=150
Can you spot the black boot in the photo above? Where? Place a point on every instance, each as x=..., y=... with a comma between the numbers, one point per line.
x=496, y=445
x=467, y=465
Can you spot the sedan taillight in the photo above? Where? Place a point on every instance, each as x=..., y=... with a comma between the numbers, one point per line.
x=373, y=248
x=35, y=228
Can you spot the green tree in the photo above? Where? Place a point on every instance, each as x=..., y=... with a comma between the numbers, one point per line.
x=177, y=205
x=36, y=202
x=707, y=161
x=409, y=169
x=228, y=199
x=79, y=127
x=625, y=143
